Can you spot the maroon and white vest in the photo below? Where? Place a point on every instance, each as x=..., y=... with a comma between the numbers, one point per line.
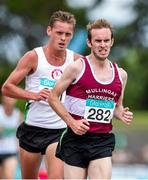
x=89, y=98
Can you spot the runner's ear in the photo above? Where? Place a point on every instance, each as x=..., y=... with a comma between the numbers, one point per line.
x=112, y=42
x=48, y=30
x=88, y=43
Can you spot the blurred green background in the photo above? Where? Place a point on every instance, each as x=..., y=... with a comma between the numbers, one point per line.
x=23, y=26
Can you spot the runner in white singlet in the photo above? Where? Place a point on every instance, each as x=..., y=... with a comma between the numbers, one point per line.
x=41, y=68
x=10, y=118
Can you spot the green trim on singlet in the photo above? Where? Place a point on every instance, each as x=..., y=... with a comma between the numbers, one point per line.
x=62, y=135
x=26, y=110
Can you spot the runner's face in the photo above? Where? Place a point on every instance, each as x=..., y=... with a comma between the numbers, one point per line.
x=60, y=34
x=101, y=43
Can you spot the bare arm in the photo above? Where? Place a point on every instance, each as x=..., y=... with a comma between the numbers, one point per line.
x=69, y=75
x=120, y=112
x=77, y=56
x=25, y=66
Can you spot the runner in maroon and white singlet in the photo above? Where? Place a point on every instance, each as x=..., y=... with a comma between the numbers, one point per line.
x=95, y=89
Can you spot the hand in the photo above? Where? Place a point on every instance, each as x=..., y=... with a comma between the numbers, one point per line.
x=80, y=127
x=43, y=95
x=125, y=115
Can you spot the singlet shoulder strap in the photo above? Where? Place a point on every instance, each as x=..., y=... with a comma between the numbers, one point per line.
x=117, y=71
x=69, y=56
x=83, y=60
x=87, y=64
x=41, y=56
x=39, y=52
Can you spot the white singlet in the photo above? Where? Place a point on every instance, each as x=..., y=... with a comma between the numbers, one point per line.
x=39, y=113
x=8, y=126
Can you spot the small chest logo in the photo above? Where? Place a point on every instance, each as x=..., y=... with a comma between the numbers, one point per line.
x=56, y=74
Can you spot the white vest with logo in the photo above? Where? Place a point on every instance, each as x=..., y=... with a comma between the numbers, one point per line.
x=39, y=113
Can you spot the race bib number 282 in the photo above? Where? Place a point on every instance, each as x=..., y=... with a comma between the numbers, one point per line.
x=100, y=111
